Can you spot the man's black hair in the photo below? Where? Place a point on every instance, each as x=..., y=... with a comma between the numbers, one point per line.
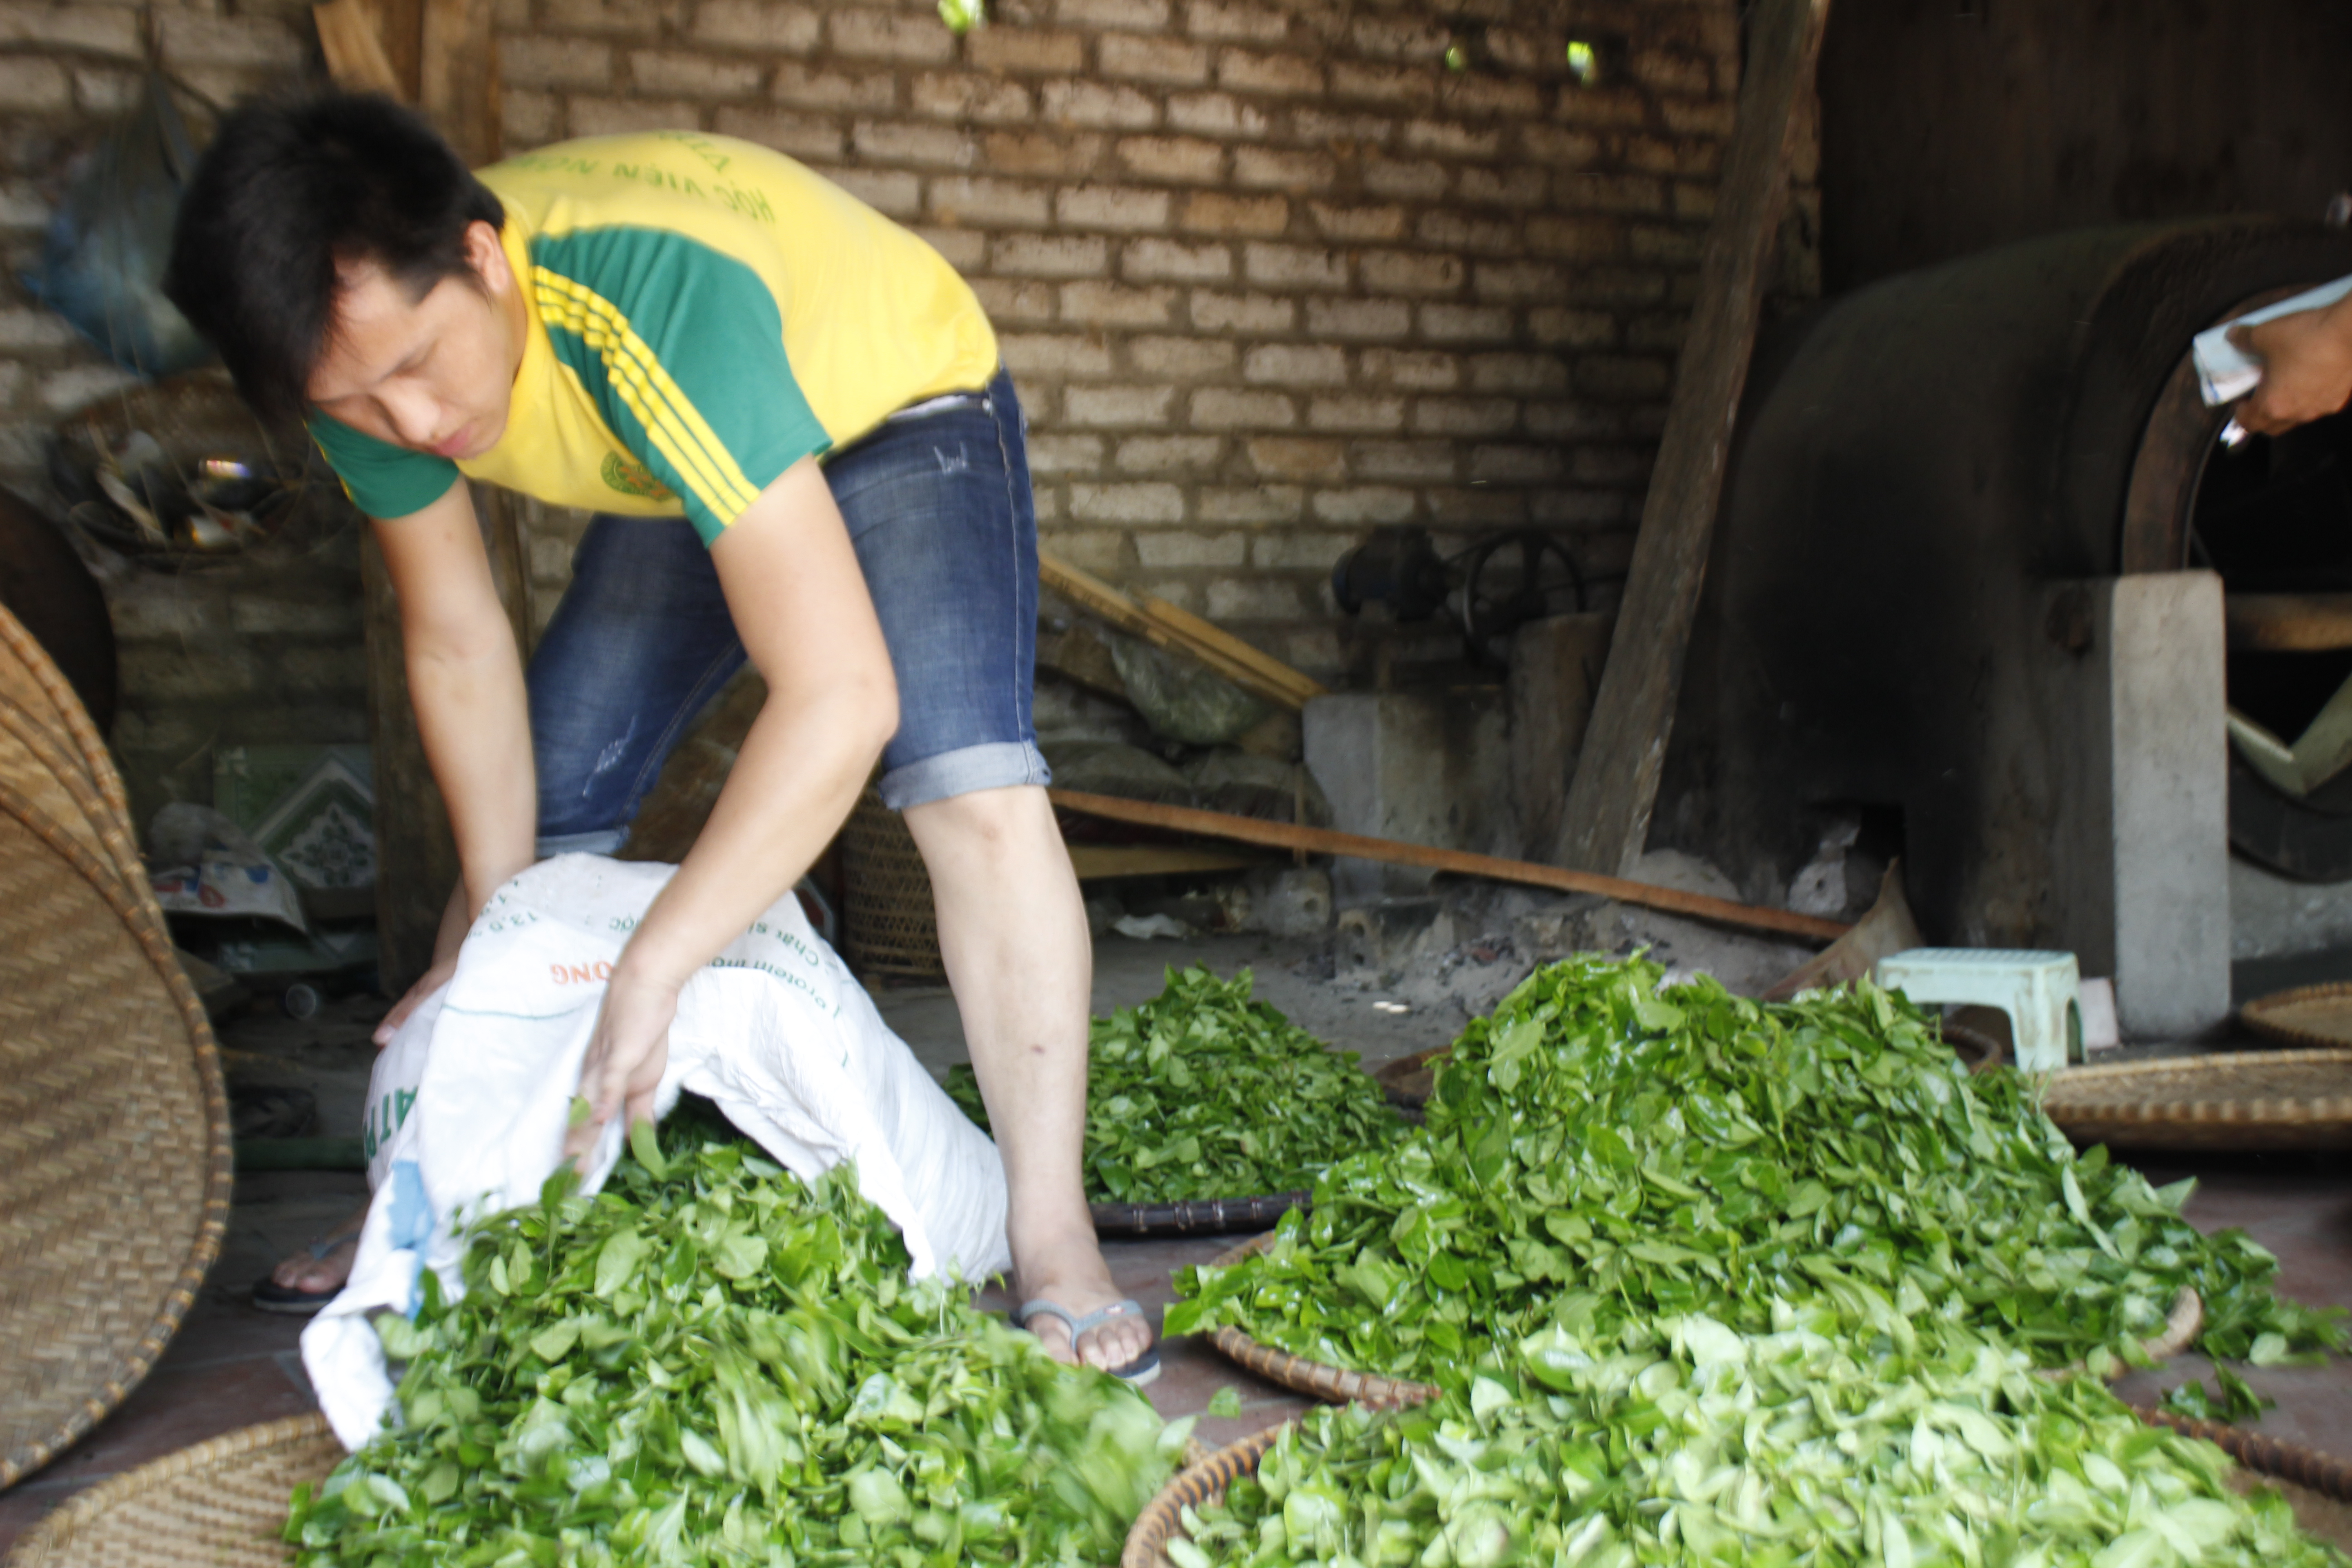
x=291, y=187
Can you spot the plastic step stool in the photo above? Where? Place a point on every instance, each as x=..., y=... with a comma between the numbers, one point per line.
x=2040, y=991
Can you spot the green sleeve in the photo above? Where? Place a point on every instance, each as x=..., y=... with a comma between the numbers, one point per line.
x=682, y=347
x=382, y=480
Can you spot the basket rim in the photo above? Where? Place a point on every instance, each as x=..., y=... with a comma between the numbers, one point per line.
x=52, y=681
x=56, y=1529
x=1198, y=1216
x=1318, y=1380
x=2104, y=1094
x=2257, y=1014
x=140, y=916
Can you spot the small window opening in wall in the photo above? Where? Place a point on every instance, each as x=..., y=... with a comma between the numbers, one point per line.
x=1583, y=62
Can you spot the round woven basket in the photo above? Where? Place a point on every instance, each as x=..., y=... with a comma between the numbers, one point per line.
x=217, y=1505
x=889, y=927
x=2309, y=1016
x=1196, y=1217
x=2317, y=1486
x=31, y=679
x=2233, y=1100
x=114, y=1132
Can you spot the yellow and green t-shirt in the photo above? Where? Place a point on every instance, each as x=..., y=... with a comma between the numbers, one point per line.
x=703, y=314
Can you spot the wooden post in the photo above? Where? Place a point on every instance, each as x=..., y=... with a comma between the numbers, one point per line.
x=1607, y=819
x=416, y=858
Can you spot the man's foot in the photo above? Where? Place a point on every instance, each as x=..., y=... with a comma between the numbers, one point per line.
x=1077, y=1326
x=315, y=1275
x=1081, y=1288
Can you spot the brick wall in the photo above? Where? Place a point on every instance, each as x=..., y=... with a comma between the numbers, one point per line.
x=1270, y=274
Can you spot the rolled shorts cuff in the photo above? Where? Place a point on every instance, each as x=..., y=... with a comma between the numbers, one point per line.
x=598, y=841
x=996, y=764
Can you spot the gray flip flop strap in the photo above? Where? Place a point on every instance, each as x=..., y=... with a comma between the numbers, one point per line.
x=1081, y=1326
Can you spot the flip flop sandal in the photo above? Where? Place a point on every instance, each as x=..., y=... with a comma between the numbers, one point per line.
x=271, y=1296
x=1135, y=1373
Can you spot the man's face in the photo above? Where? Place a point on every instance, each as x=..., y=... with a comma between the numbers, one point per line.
x=433, y=374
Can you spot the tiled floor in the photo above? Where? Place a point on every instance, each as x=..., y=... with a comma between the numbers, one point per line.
x=232, y=1366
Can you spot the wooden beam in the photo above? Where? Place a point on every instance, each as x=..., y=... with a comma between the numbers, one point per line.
x=1607, y=820
x=1102, y=862
x=2289, y=623
x=1164, y=625
x=416, y=858
x=1324, y=841
x=349, y=36
x=457, y=76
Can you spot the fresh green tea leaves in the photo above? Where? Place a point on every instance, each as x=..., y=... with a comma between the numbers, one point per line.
x=1202, y=1093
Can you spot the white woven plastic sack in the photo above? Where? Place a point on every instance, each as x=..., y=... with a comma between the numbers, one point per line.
x=775, y=1030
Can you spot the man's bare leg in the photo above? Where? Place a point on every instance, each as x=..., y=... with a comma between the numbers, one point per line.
x=1012, y=930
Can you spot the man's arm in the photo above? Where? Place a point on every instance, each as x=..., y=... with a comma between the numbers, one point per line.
x=2307, y=367
x=464, y=681
x=799, y=604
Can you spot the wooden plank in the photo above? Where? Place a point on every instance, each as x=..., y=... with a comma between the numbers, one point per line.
x=457, y=76
x=1324, y=841
x=1180, y=633
x=502, y=536
x=356, y=59
x=416, y=858
x=1607, y=820
x=2289, y=623
x=1101, y=862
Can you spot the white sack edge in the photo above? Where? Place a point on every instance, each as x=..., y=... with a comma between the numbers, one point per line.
x=2225, y=372
x=775, y=1030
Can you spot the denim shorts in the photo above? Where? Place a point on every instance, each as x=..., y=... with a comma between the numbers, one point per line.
x=939, y=512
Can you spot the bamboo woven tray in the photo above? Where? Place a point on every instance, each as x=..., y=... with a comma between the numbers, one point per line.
x=1196, y=1217
x=2309, y=1016
x=2316, y=1486
x=2233, y=1100
x=114, y=1122
x=1338, y=1385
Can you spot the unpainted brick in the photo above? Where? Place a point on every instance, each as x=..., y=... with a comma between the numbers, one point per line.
x=1184, y=160
x=1268, y=168
x=1416, y=370
x=1141, y=501
x=1697, y=116
x=1093, y=103
x=1466, y=415
x=1514, y=187
x=1216, y=114
x=1051, y=256
x=1294, y=265
x=1665, y=244
x=922, y=146
x=188, y=38
x=911, y=36
x=1357, y=132
x=1357, y=224
x=1695, y=201
x=1564, y=328
x=1579, y=509
x=891, y=191
x=1087, y=549
x=1260, y=70
x=1517, y=372
x=1557, y=145
x=1373, y=504
x=1697, y=158
x=23, y=330
x=1252, y=503
x=538, y=61
x=1399, y=86
x=1171, y=260
x=616, y=18
x=1418, y=40
x=1601, y=106
x=1671, y=71
x=1513, y=465
x=1621, y=376
x=1517, y=279
x=1465, y=324
x=1412, y=461
x=1414, y=179
x=1358, y=319
x=672, y=74
x=969, y=98
x=1046, y=502
x=1256, y=599
x=751, y=24
x=1172, y=550
x=1616, y=285
x=1358, y=414
x=806, y=88
x=253, y=615
x=626, y=116
x=98, y=89
x=1118, y=406
x=1495, y=98
x=1228, y=408
x=1209, y=212
x=1583, y=238
x=1214, y=311
x=90, y=28
x=1612, y=464
x=1059, y=452
x=1180, y=358
x=1413, y=272
x=988, y=203
x=1151, y=59
x=1451, y=138
x=226, y=84
x=530, y=118
x=1125, y=16
x=1026, y=50
x=1046, y=153
x=1118, y=304
x=1297, y=457
x=801, y=135
x=1168, y=454
x=1296, y=364
x=80, y=385
x=1662, y=332
x=1294, y=550
x=966, y=250
x=1125, y=208
x=1209, y=20
x=1459, y=233
x=1480, y=508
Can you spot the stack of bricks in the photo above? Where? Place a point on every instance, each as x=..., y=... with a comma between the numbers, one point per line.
x=1268, y=272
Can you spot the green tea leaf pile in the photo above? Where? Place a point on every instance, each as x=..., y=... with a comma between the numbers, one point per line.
x=710, y=1362
x=1686, y=1151
x=1835, y=1435
x=1202, y=1093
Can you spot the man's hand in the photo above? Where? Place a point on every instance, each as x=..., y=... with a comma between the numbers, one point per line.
x=2306, y=368
x=626, y=1057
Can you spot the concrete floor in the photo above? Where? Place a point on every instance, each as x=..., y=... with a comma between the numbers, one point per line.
x=231, y=1366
